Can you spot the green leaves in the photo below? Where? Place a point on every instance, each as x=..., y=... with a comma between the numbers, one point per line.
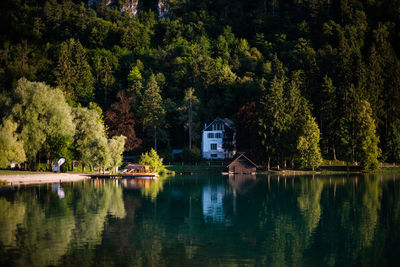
x=152, y=159
x=42, y=114
x=367, y=140
x=73, y=75
x=308, y=145
x=11, y=148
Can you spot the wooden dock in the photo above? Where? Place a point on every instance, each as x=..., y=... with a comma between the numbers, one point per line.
x=144, y=175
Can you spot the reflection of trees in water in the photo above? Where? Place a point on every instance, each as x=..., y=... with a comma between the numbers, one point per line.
x=309, y=203
x=156, y=186
x=291, y=217
x=272, y=224
x=41, y=239
x=351, y=214
x=91, y=208
x=11, y=215
x=38, y=228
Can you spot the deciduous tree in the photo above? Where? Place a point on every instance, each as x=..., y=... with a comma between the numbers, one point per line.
x=11, y=148
x=121, y=121
x=308, y=145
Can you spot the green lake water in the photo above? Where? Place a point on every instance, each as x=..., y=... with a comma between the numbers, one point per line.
x=204, y=221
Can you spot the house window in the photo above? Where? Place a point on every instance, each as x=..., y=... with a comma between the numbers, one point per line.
x=218, y=135
x=213, y=155
x=210, y=135
x=217, y=127
x=213, y=146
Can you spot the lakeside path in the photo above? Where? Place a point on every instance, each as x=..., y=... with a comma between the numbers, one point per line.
x=24, y=179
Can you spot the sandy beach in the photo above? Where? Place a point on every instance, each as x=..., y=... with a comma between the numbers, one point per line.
x=23, y=179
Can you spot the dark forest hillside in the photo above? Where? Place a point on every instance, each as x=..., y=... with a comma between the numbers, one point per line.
x=278, y=68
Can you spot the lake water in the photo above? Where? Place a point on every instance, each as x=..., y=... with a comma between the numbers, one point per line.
x=204, y=221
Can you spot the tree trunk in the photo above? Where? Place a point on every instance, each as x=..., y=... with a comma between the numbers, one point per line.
x=334, y=151
x=155, y=138
x=190, y=124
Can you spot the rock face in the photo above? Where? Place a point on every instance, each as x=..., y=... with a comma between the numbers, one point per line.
x=163, y=9
x=92, y=3
x=129, y=8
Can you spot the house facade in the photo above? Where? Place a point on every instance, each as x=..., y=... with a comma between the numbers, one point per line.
x=219, y=139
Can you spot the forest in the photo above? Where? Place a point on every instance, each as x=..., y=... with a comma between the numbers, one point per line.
x=302, y=79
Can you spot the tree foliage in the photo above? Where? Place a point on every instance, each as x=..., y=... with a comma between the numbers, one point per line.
x=11, y=148
x=121, y=121
x=116, y=148
x=44, y=118
x=367, y=139
x=331, y=54
x=90, y=142
x=308, y=145
x=152, y=159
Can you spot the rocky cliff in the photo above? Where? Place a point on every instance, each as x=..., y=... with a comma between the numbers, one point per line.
x=131, y=7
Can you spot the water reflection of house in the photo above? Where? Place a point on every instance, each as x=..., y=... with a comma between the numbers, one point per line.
x=212, y=200
x=242, y=183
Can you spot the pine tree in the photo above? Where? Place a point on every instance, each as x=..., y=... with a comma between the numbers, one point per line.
x=151, y=109
x=273, y=119
x=328, y=113
x=188, y=109
x=73, y=75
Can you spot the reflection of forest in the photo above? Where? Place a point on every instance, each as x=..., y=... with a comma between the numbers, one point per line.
x=262, y=221
x=271, y=222
x=149, y=188
x=37, y=228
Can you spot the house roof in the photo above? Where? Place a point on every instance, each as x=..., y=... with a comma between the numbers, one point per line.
x=226, y=122
x=131, y=166
x=240, y=156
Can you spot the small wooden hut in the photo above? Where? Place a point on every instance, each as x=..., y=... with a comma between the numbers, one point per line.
x=242, y=165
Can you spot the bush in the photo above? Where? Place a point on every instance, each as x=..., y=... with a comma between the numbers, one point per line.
x=152, y=159
x=188, y=156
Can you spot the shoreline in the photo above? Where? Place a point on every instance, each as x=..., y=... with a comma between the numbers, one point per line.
x=42, y=178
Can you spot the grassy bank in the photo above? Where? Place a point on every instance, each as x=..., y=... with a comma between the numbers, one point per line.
x=195, y=169
x=323, y=170
x=12, y=172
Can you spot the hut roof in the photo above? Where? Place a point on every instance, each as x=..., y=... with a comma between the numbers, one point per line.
x=133, y=166
x=240, y=156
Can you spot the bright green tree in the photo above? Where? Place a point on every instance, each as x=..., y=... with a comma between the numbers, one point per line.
x=152, y=159
x=116, y=148
x=43, y=116
x=367, y=140
x=11, y=148
x=90, y=142
x=308, y=145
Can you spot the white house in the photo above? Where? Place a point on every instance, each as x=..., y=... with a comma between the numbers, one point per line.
x=218, y=139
